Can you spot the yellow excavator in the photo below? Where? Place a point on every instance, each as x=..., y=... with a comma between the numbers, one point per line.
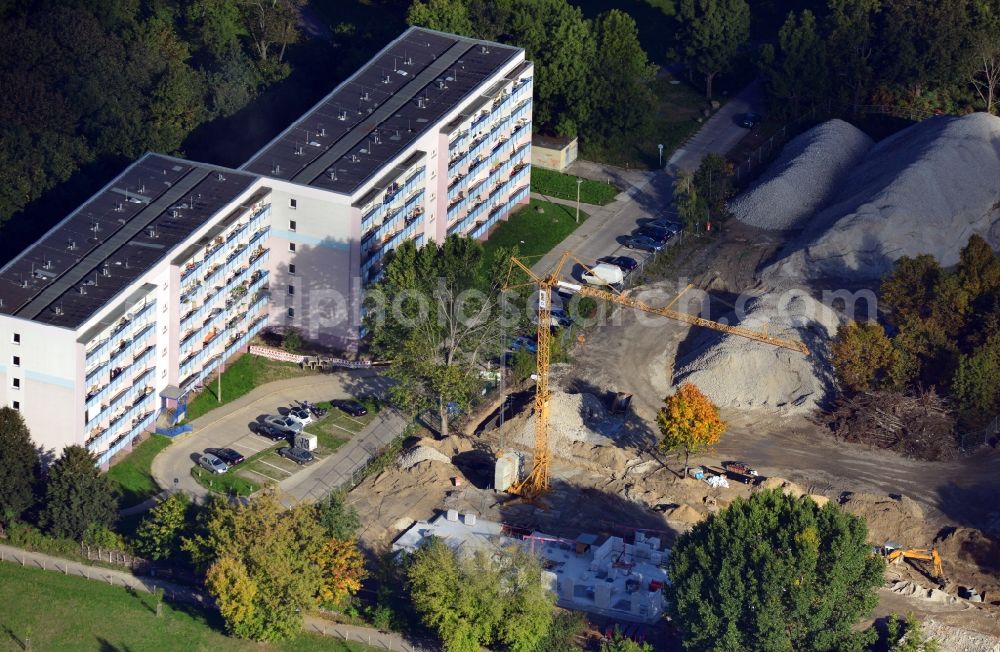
x=894, y=554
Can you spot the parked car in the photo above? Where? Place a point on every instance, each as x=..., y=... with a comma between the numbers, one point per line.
x=653, y=233
x=750, y=120
x=272, y=432
x=667, y=224
x=227, y=455
x=301, y=415
x=642, y=243
x=212, y=463
x=623, y=263
x=603, y=274
x=350, y=407
x=286, y=425
x=522, y=343
x=298, y=455
x=558, y=318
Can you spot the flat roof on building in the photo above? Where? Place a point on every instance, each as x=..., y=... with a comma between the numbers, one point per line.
x=119, y=234
x=373, y=116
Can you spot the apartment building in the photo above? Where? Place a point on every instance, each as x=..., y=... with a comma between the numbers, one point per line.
x=130, y=303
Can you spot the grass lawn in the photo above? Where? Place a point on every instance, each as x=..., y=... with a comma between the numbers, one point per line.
x=68, y=613
x=337, y=427
x=131, y=475
x=227, y=483
x=534, y=233
x=557, y=184
x=676, y=119
x=240, y=378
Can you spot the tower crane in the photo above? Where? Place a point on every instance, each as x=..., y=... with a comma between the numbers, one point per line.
x=537, y=480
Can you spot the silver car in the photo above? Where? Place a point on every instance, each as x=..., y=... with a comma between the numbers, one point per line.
x=213, y=464
x=287, y=425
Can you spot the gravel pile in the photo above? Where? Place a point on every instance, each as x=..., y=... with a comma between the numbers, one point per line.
x=924, y=190
x=810, y=169
x=572, y=418
x=422, y=454
x=737, y=372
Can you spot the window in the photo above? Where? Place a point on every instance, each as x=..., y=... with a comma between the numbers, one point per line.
x=15, y=383
x=291, y=225
x=15, y=338
x=291, y=246
x=291, y=268
x=15, y=361
x=292, y=203
x=291, y=289
x=291, y=312
x=16, y=405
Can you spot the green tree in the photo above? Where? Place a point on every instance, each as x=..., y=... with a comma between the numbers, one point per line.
x=78, y=495
x=435, y=314
x=976, y=380
x=557, y=38
x=797, y=73
x=620, y=643
x=773, y=572
x=159, y=534
x=851, y=35
x=862, y=355
x=444, y=15
x=710, y=35
x=566, y=627
x=19, y=465
x=622, y=78
x=272, y=26
x=713, y=183
x=689, y=423
x=908, y=636
x=338, y=519
x=218, y=25
x=291, y=340
x=907, y=293
x=691, y=206
x=480, y=599
x=262, y=573
x=978, y=267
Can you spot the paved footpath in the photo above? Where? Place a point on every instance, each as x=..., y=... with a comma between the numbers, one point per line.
x=229, y=424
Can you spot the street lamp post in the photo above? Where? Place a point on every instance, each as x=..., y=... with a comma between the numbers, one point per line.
x=579, y=182
x=660, y=146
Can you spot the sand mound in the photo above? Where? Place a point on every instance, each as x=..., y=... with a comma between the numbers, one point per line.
x=957, y=639
x=787, y=487
x=572, y=418
x=810, y=169
x=971, y=547
x=899, y=521
x=819, y=500
x=422, y=454
x=450, y=446
x=908, y=588
x=685, y=514
x=924, y=190
x=737, y=372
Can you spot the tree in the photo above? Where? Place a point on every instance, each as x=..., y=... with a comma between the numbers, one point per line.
x=291, y=340
x=713, y=183
x=908, y=635
x=986, y=53
x=480, y=599
x=862, y=355
x=976, y=380
x=435, y=314
x=262, y=571
x=798, y=72
x=78, y=495
x=19, y=465
x=218, y=25
x=444, y=15
x=691, y=207
x=620, y=643
x=711, y=34
x=773, y=572
x=622, y=80
x=689, y=423
x=159, y=534
x=341, y=568
x=338, y=520
x=271, y=24
x=978, y=267
x=566, y=627
x=907, y=292
x=851, y=35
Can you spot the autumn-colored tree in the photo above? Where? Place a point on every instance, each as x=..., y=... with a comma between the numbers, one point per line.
x=689, y=423
x=862, y=355
x=341, y=569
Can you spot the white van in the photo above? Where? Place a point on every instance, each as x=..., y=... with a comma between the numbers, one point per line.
x=603, y=274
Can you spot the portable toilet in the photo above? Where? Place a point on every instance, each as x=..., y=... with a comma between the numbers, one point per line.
x=306, y=441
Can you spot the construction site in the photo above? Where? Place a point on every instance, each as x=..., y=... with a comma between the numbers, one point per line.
x=559, y=465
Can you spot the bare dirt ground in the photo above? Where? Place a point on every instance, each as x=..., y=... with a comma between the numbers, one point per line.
x=607, y=477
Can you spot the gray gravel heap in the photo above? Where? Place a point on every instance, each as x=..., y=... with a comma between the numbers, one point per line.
x=924, y=190
x=811, y=167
